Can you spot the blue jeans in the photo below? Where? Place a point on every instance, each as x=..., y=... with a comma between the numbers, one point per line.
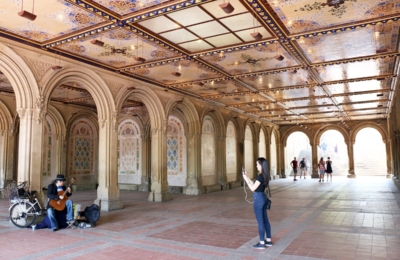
x=260, y=210
x=52, y=216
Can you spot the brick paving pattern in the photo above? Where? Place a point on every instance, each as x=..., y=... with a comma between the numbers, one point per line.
x=344, y=219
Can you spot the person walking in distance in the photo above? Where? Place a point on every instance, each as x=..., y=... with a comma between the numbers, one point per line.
x=294, y=165
x=260, y=202
x=321, y=166
x=328, y=168
x=303, y=168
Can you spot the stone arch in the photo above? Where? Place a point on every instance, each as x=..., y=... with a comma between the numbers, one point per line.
x=150, y=99
x=6, y=119
x=20, y=76
x=234, y=119
x=325, y=128
x=95, y=85
x=377, y=127
x=293, y=129
x=83, y=114
x=58, y=121
x=218, y=120
x=253, y=128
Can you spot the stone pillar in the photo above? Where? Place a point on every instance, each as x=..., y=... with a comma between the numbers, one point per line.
x=350, y=148
x=240, y=157
x=194, y=183
x=30, y=149
x=146, y=163
x=396, y=154
x=388, y=160
x=159, y=183
x=108, y=194
x=3, y=157
x=281, y=159
x=314, y=160
x=61, y=153
x=221, y=163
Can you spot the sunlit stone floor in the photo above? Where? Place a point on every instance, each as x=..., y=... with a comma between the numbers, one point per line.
x=343, y=219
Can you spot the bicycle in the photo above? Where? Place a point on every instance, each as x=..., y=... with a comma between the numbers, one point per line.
x=25, y=206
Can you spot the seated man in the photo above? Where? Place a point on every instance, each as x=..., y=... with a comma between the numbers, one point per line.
x=53, y=195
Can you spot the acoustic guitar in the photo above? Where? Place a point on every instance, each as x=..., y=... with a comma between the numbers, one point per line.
x=60, y=204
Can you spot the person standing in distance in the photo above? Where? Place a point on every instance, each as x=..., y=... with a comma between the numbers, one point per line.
x=294, y=165
x=321, y=166
x=260, y=202
x=303, y=167
x=328, y=168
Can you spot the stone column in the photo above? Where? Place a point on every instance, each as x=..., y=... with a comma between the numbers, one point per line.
x=61, y=153
x=30, y=149
x=388, y=160
x=240, y=158
x=281, y=159
x=159, y=183
x=108, y=194
x=194, y=183
x=350, y=148
x=146, y=163
x=3, y=157
x=396, y=154
x=221, y=163
x=314, y=160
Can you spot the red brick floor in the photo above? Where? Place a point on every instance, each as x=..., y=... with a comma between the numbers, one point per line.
x=344, y=219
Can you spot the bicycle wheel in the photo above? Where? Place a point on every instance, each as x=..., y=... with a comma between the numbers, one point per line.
x=22, y=214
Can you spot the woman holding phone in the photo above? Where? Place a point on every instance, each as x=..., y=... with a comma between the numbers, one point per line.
x=260, y=202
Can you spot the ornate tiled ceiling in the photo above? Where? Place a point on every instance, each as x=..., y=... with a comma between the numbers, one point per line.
x=313, y=61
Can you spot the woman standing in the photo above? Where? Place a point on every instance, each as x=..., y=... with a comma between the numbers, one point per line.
x=321, y=166
x=328, y=168
x=260, y=202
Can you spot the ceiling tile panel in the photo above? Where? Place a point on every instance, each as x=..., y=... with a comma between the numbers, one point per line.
x=368, y=85
x=55, y=18
x=278, y=80
x=240, y=22
x=189, y=72
x=159, y=24
x=208, y=29
x=128, y=6
x=214, y=90
x=214, y=9
x=196, y=46
x=353, y=70
x=305, y=15
x=193, y=15
x=223, y=40
x=120, y=40
x=245, y=34
x=251, y=60
x=180, y=35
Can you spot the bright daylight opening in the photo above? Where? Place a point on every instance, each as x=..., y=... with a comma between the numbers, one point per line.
x=369, y=153
x=332, y=145
x=297, y=145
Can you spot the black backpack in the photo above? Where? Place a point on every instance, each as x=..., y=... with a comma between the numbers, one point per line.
x=92, y=214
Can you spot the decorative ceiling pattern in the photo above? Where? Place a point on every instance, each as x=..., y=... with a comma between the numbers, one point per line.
x=283, y=61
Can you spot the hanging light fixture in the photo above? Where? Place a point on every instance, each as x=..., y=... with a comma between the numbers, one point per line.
x=256, y=35
x=227, y=7
x=176, y=73
x=97, y=43
x=138, y=58
x=56, y=67
x=26, y=14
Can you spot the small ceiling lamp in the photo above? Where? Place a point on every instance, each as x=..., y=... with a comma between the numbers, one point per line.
x=227, y=7
x=97, y=43
x=200, y=84
x=176, y=74
x=294, y=71
x=56, y=66
x=256, y=35
x=138, y=58
x=279, y=57
x=26, y=14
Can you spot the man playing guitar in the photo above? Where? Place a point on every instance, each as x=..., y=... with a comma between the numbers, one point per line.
x=58, y=194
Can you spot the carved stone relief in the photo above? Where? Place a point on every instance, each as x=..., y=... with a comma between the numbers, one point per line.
x=39, y=68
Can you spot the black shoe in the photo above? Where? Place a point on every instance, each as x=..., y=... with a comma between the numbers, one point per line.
x=294, y=179
x=268, y=243
x=319, y=181
x=55, y=229
x=259, y=246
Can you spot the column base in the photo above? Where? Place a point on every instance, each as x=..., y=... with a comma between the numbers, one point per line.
x=144, y=187
x=109, y=204
x=351, y=176
x=388, y=176
x=194, y=191
x=159, y=197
